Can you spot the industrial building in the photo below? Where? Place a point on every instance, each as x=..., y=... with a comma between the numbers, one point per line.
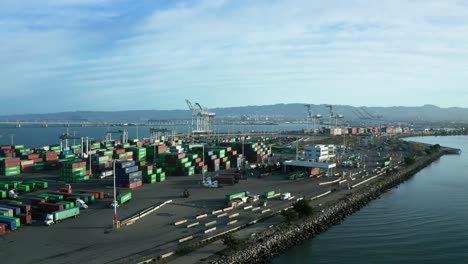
x=319, y=153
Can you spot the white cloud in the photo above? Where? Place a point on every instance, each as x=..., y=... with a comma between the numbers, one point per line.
x=271, y=51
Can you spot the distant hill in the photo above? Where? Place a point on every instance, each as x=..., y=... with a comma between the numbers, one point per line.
x=426, y=113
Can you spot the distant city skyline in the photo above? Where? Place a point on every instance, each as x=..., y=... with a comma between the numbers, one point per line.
x=104, y=55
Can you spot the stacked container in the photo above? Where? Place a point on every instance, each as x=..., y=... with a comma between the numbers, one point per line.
x=148, y=174
x=7, y=151
x=139, y=154
x=74, y=171
x=127, y=174
x=10, y=166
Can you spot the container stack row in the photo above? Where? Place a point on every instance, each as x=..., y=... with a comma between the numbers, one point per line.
x=127, y=174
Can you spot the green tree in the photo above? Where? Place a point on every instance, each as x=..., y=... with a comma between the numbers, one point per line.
x=303, y=208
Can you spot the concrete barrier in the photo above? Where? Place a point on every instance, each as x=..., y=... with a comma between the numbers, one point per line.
x=210, y=230
x=330, y=182
x=255, y=208
x=217, y=212
x=180, y=222
x=227, y=209
x=192, y=225
x=248, y=207
x=142, y=214
x=185, y=239
x=232, y=222
x=343, y=181
x=320, y=195
x=266, y=210
x=292, y=198
x=298, y=199
x=210, y=223
x=233, y=215
x=371, y=178
x=222, y=215
x=201, y=216
x=166, y=255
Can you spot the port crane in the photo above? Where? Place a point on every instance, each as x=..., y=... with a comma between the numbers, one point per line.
x=156, y=133
x=202, y=119
x=123, y=135
x=64, y=141
x=312, y=118
x=334, y=118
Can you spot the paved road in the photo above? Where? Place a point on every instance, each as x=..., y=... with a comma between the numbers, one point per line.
x=90, y=237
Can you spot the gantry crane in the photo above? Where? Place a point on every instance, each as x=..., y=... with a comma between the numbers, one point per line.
x=202, y=119
x=156, y=133
x=123, y=135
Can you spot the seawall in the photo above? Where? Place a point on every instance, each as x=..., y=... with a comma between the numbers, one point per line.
x=272, y=244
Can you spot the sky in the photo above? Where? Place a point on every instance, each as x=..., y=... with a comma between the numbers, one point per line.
x=110, y=55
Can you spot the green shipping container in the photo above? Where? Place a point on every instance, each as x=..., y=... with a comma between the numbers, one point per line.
x=44, y=196
x=55, y=198
x=4, y=186
x=123, y=198
x=269, y=194
x=66, y=213
x=3, y=194
x=160, y=177
x=23, y=188
x=238, y=195
x=67, y=204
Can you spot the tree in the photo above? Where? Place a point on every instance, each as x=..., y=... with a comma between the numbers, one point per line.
x=409, y=160
x=303, y=208
x=232, y=243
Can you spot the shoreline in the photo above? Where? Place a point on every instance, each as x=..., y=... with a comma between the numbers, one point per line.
x=282, y=238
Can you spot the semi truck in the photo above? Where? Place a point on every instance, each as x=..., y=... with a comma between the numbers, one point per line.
x=237, y=195
x=58, y=216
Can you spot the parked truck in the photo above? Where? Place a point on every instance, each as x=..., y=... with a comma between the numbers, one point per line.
x=237, y=195
x=58, y=216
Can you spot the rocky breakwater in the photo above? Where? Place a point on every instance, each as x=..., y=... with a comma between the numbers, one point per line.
x=272, y=244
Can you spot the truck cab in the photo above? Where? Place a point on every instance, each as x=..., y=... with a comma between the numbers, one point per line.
x=49, y=220
x=285, y=196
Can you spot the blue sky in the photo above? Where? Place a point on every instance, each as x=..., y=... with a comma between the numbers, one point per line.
x=67, y=55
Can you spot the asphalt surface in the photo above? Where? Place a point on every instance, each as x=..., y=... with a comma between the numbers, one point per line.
x=91, y=238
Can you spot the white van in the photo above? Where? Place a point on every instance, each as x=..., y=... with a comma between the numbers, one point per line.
x=285, y=196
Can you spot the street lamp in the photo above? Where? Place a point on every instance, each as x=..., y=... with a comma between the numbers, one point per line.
x=114, y=203
x=203, y=157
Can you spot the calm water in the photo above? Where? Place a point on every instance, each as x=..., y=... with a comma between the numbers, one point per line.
x=38, y=136
x=424, y=220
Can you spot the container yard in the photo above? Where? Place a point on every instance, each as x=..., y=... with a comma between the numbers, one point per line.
x=173, y=179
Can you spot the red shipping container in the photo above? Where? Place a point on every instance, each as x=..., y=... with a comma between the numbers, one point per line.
x=36, y=201
x=25, y=208
x=38, y=160
x=33, y=156
x=2, y=229
x=13, y=162
x=29, y=169
x=5, y=147
x=25, y=219
x=49, y=207
x=65, y=190
x=119, y=151
x=97, y=194
x=72, y=198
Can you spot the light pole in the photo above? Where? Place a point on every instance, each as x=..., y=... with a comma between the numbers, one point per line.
x=114, y=203
x=203, y=157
